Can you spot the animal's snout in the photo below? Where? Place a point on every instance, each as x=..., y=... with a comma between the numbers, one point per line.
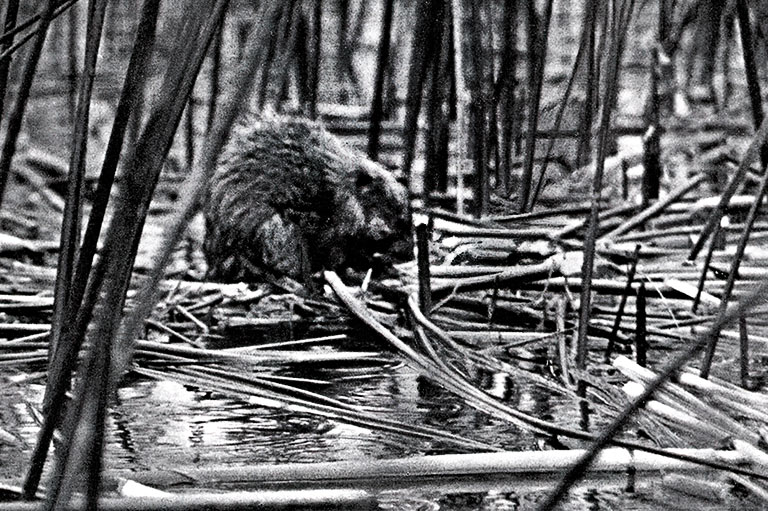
x=379, y=229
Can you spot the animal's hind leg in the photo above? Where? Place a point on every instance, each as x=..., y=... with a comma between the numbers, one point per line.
x=224, y=262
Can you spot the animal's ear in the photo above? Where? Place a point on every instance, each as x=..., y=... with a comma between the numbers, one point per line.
x=364, y=178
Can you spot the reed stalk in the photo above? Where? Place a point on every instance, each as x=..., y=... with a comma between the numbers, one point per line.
x=713, y=220
x=724, y=317
x=215, y=76
x=641, y=341
x=382, y=64
x=743, y=352
x=195, y=185
x=705, y=270
x=314, y=78
x=72, y=36
x=120, y=248
x=77, y=315
x=538, y=60
x=436, y=144
x=462, y=98
x=506, y=91
x=425, y=44
x=476, y=111
x=16, y=116
x=620, y=24
x=750, y=69
x=287, y=54
x=9, y=23
x=425, y=288
x=491, y=99
x=452, y=381
x=577, y=64
x=72, y=220
x=271, y=53
x=738, y=257
x=652, y=170
x=189, y=132
x=623, y=303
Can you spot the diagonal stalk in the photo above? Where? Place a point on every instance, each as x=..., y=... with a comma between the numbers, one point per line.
x=19, y=107
x=77, y=315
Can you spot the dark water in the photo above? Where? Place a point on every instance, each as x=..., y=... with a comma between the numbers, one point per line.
x=166, y=425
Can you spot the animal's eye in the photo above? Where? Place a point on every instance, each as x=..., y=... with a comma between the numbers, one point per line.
x=364, y=179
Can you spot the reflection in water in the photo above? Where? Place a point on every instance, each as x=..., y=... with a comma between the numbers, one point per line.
x=167, y=425
x=164, y=424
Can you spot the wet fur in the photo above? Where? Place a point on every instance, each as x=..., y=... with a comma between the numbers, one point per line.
x=290, y=199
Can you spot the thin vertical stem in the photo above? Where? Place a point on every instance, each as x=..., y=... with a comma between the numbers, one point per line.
x=534, y=100
x=429, y=14
x=215, y=76
x=491, y=99
x=652, y=140
x=663, y=21
x=610, y=92
x=562, y=338
x=622, y=305
x=477, y=110
x=507, y=82
x=281, y=29
x=437, y=128
x=314, y=79
x=666, y=81
x=341, y=48
x=382, y=63
x=189, y=128
x=422, y=251
x=641, y=343
x=624, y=180
x=449, y=100
x=462, y=96
x=288, y=54
x=750, y=67
x=303, y=60
x=744, y=352
x=97, y=372
x=72, y=35
x=705, y=270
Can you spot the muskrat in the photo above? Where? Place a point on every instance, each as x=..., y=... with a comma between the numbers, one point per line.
x=290, y=199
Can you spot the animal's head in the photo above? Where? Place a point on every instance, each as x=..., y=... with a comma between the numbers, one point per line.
x=385, y=203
